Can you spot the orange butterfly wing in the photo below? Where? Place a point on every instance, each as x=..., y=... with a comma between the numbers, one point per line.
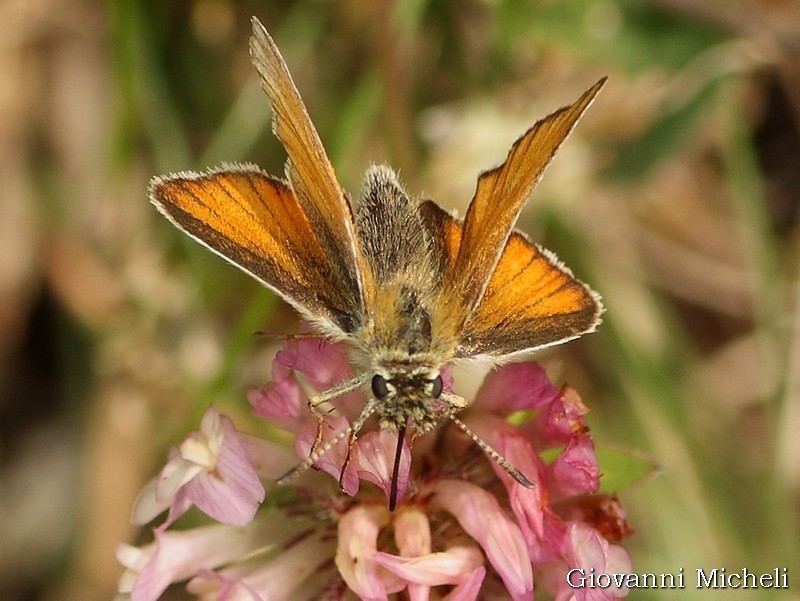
x=499, y=197
x=308, y=170
x=256, y=222
x=298, y=236
x=503, y=294
x=531, y=301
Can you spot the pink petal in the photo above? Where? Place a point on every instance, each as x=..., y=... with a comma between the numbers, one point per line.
x=231, y=492
x=412, y=535
x=269, y=460
x=374, y=461
x=512, y=444
x=412, y=532
x=209, y=585
x=355, y=554
x=281, y=402
x=551, y=580
x=210, y=469
x=560, y=420
x=176, y=556
x=575, y=471
x=147, y=505
x=133, y=559
x=541, y=528
x=515, y=387
x=481, y=516
x=586, y=549
x=447, y=377
x=180, y=505
x=325, y=364
x=197, y=452
x=434, y=569
x=469, y=588
x=280, y=577
x=605, y=513
x=618, y=561
x=174, y=475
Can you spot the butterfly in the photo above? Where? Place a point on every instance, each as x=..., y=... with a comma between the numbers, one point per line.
x=406, y=285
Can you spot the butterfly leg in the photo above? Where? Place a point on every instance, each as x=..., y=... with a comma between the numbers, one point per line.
x=366, y=412
x=316, y=400
x=313, y=403
x=351, y=440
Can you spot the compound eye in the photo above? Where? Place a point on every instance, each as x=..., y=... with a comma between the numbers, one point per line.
x=438, y=386
x=380, y=387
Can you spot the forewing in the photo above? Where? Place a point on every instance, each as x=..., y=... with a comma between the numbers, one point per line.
x=499, y=197
x=308, y=169
x=257, y=223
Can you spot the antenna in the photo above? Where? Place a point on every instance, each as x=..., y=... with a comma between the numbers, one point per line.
x=493, y=454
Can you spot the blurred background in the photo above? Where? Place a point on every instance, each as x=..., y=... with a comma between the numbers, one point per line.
x=677, y=198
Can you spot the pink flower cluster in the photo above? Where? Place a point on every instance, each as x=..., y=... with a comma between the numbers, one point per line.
x=463, y=528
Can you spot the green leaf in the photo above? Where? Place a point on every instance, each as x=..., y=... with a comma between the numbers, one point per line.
x=623, y=468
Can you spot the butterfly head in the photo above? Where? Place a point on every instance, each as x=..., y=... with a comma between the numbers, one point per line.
x=408, y=394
